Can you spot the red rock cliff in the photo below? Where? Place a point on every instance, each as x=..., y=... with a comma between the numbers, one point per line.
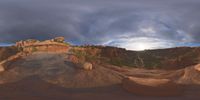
x=54, y=45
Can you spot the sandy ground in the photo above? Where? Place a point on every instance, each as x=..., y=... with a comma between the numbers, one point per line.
x=50, y=77
x=33, y=88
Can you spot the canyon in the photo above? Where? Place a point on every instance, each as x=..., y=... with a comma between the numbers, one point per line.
x=53, y=69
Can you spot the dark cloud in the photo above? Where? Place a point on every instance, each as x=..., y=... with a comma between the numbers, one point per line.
x=102, y=21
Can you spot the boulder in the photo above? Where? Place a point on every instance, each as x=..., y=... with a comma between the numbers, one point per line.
x=73, y=59
x=31, y=41
x=59, y=39
x=27, y=42
x=1, y=68
x=151, y=87
x=197, y=67
x=87, y=66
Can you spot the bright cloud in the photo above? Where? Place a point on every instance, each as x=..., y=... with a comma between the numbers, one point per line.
x=148, y=30
x=132, y=24
x=142, y=43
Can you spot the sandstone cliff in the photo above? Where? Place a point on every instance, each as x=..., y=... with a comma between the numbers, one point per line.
x=172, y=58
x=27, y=47
x=54, y=45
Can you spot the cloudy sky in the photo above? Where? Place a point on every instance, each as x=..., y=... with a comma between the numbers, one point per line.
x=131, y=24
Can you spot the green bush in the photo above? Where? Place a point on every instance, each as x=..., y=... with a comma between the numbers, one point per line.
x=34, y=49
x=84, y=55
x=20, y=49
x=117, y=62
x=67, y=44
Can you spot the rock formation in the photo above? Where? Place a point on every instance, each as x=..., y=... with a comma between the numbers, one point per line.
x=53, y=45
x=73, y=59
x=1, y=68
x=87, y=66
x=59, y=39
x=151, y=87
x=191, y=75
x=197, y=67
x=26, y=47
x=84, y=65
x=9, y=60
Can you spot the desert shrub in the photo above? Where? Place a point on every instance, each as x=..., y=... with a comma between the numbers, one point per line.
x=19, y=49
x=34, y=49
x=83, y=54
x=117, y=62
x=59, y=39
x=6, y=52
x=66, y=43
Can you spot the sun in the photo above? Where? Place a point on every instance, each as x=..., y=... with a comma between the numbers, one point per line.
x=142, y=46
x=138, y=46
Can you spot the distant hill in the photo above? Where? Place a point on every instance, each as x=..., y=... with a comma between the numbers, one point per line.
x=171, y=58
x=50, y=68
x=6, y=52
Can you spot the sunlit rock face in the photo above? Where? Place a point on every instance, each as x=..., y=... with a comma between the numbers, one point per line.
x=54, y=68
x=47, y=48
x=151, y=87
x=197, y=67
x=86, y=66
x=53, y=45
x=1, y=68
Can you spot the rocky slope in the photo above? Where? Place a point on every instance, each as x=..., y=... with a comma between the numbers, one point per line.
x=55, y=68
x=172, y=58
x=6, y=52
x=45, y=74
